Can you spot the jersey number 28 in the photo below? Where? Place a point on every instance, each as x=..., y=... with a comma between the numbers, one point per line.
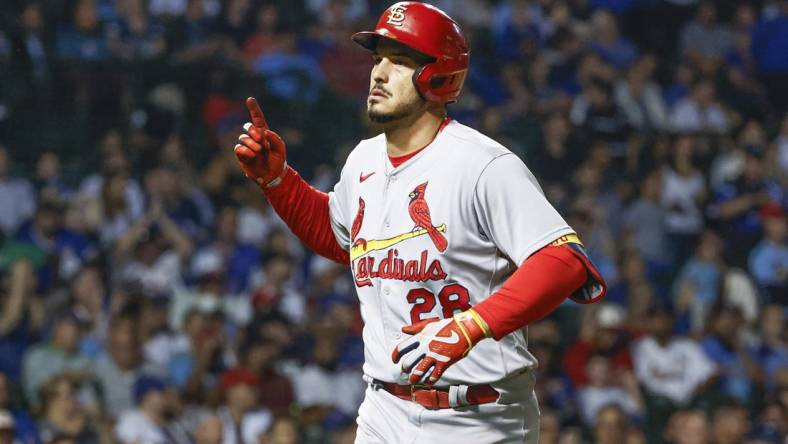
x=453, y=298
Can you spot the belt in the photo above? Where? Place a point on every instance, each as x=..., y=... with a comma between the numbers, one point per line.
x=436, y=398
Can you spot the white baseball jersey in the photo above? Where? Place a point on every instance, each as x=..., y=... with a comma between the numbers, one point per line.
x=438, y=235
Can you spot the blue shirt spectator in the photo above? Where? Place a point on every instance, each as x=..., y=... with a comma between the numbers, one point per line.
x=769, y=259
x=725, y=347
x=83, y=39
x=770, y=43
x=290, y=74
x=614, y=48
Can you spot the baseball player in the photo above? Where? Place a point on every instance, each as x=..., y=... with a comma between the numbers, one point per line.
x=452, y=245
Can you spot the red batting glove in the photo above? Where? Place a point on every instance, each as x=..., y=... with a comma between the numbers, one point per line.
x=261, y=153
x=437, y=344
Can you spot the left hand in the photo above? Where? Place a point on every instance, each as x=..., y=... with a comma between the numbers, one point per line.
x=437, y=344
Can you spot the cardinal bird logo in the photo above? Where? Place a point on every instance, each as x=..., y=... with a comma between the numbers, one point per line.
x=420, y=213
x=357, y=221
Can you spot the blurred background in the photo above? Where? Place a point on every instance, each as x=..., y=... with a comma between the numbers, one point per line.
x=148, y=293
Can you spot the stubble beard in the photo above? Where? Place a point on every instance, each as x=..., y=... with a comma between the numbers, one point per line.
x=400, y=112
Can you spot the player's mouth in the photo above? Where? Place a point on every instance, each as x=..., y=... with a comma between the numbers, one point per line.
x=377, y=92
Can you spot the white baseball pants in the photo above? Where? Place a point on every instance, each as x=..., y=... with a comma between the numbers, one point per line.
x=386, y=419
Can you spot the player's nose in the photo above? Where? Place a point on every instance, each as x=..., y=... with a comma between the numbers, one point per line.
x=380, y=72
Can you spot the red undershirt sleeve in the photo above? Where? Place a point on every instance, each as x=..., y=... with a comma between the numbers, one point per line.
x=305, y=210
x=537, y=288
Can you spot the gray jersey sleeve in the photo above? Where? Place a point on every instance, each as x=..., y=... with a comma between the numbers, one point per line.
x=513, y=212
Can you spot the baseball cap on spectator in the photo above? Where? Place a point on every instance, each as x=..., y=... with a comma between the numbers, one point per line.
x=6, y=421
x=610, y=315
x=207, y=264
x=236, y=376
x=145, y=384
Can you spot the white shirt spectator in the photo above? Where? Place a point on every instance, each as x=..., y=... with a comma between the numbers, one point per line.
x=135, y=199
x=675, y=370
x=314, y=385
x=18, y=202
x=159, y=351
x=782, y=152
x=645, y=111
x=253, y=424
x=680, y=196
x=134, y=427
x=688, y=116
x=162, y=277
x=237, y=309
x=593, y=399
x=254, y=226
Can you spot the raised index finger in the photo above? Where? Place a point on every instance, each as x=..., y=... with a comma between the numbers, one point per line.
x=258, y=118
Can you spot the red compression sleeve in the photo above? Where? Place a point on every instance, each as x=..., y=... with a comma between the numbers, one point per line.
x=305, y=210
x=537, y=288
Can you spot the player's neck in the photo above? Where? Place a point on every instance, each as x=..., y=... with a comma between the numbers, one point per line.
x=413, y=133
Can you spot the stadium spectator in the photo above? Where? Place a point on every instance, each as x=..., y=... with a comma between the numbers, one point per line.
x=602, y=332
x=704, y=38
x=209, y=431
x=283, y=430
x=64, y=415
x=645, y=219
x=47, y=360
x=25, y=427
x=688, y=427
x=21, y=318
x=152, y=252
x=641, y=97
x=683, y=190
x=698, y=285
x=672, y=367
x=16, y=196
x=768, y=46
x=147, y=422
x=606, y=386
x=740, y=373
x=699, y=111
x=729, y=424
x=83, y=38
x=119, y=367
x=736, y=204
x=316, y=383
x=275, y=391
x=600, y=118
x=611, y=425
x=7, y=428
x=769, y=259
x=772, y=351
x=237, y=259
x=614, y=48
x=49, y=182
x=242, y=419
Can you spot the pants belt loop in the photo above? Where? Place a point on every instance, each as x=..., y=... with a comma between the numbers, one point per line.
x=458, y=395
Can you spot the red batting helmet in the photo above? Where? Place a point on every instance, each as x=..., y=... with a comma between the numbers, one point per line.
x=430, y=31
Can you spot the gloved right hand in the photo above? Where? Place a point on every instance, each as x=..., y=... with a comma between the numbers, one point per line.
x=261, y=153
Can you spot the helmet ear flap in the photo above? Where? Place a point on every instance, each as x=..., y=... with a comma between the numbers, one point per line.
x=439, y=81
x=421, y=82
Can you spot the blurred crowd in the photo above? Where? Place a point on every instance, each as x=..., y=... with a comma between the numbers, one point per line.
x=148, y=293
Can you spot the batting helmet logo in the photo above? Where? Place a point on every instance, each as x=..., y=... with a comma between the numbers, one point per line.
x=397, y=15
x=430, y=31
